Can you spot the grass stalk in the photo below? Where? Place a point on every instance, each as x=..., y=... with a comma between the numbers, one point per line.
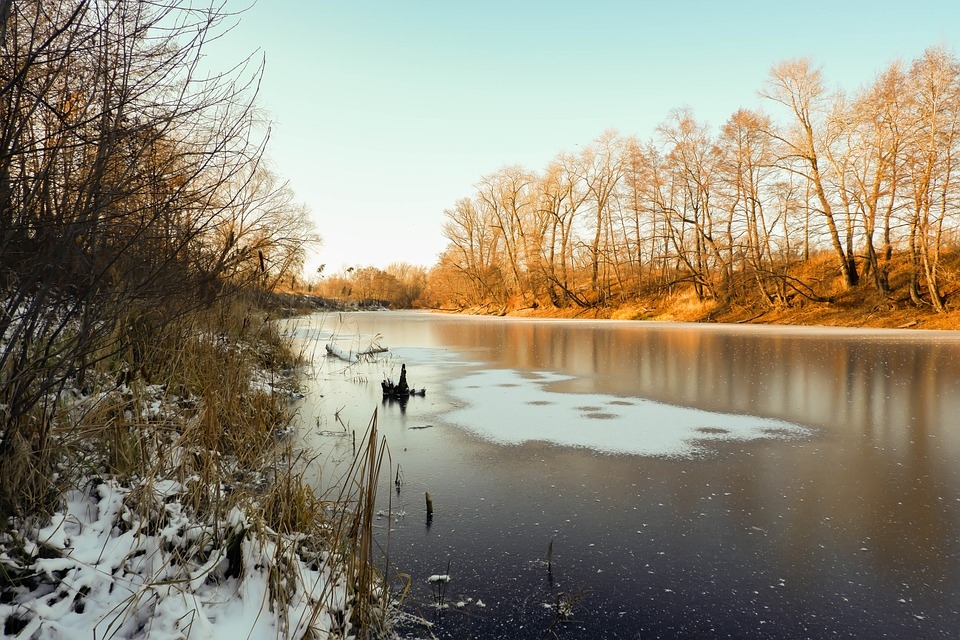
x=175, y=417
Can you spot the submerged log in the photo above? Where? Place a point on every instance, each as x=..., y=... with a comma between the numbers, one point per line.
x=349, y=355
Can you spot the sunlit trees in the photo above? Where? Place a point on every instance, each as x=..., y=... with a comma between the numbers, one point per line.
x=411, y=281
x=506, y=199
x=560, y=198
x=799, y=86
x=448, y=286
x=744, y=171
x=600, y=168
x=877, y=143
x=691, y=163
x=261, y=218
x=732, y=214
x=930, y=170
x=372, y=284
x=474, y=250
x=400, y=285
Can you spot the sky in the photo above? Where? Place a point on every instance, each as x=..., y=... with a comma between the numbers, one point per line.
x=385, y=113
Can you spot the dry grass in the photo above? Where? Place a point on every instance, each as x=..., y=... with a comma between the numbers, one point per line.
x=178, y=407
x=682, y=306
x=861, y=306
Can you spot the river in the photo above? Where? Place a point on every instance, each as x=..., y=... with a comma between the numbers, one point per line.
x=603, y=479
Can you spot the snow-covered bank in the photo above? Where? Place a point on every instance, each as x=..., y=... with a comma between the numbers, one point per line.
x=103, y=567
x=180, y=511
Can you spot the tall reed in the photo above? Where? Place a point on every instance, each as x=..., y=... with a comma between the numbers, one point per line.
x=351, y=516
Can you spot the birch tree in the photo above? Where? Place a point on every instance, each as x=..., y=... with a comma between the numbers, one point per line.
x=745, y=170
x=600, y=169
x=507, y=201
x=692, y=161
x=930, y=167
x=799, y=86
x=879, y=129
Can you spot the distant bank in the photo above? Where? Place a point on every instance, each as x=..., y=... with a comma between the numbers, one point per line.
x=855, y=309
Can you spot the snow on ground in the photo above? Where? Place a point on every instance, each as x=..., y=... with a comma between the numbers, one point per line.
x=101, y=570
x=119, y=562
x=509, y=408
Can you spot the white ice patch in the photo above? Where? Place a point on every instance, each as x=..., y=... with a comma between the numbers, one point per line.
x=506, y=407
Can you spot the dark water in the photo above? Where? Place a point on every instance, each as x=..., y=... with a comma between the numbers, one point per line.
x=834, y=513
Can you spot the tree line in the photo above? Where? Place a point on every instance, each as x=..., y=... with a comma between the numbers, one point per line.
x=866, y=177
x=400, y=286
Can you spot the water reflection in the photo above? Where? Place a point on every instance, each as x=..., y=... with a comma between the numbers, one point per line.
x=852, y=530
x=823, y=377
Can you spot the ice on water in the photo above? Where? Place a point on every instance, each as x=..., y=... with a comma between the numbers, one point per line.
x=510, y=407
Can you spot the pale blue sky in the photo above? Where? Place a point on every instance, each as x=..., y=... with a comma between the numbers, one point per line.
x=385, y=113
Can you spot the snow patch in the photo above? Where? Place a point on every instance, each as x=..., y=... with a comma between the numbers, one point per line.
x=99, y=568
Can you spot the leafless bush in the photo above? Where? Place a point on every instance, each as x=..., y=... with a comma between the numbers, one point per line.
x=132, y=191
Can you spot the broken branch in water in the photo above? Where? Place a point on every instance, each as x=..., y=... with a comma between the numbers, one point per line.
x=356, y=351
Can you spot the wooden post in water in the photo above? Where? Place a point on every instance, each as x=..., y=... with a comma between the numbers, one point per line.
x=429, y=506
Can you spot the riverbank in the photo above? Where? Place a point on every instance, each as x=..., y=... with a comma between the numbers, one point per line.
x=856, y=308
x=172, y=503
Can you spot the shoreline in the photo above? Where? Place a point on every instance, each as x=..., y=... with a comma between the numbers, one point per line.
x=866, y=314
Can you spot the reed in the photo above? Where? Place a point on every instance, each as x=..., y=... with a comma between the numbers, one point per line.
x=351, y=517
x=438, y=583
x=174, y=416
x=196, y=417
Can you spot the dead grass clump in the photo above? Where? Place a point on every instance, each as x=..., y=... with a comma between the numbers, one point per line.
x=29, y=484
x=289, y=505
x=683, y=306
x=350, y=518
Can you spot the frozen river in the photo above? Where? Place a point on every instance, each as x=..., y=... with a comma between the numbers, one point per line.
x=685, y=480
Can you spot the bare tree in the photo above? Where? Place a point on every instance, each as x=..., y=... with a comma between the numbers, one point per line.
x=506, y=198
x=474, y=251
x=876, y=143
x=261, y=217
x=930, y=170
x=692, y=162
x=560, y=200
x=799, y=86
x=411, y=283
x=734, y=214
x=116, y=158
x=600, y=169
x=745, y=170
